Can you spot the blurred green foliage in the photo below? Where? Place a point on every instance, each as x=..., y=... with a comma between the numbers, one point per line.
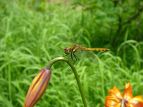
x=108, y=21
x=32, y=32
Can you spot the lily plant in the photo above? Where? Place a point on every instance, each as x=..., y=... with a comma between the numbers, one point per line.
x=40, y=83
x=114, y=99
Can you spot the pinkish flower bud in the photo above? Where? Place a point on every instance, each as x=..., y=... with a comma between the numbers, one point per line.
x=37, y=88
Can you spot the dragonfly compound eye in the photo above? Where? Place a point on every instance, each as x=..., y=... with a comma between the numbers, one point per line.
x=66, y=51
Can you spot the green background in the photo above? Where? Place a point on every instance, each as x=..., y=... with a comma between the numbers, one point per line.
x=32, y=32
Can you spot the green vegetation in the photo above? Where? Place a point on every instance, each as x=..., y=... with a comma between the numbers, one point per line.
x=33, y=33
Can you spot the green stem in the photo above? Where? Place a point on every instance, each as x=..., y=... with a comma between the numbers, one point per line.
x=75, y=74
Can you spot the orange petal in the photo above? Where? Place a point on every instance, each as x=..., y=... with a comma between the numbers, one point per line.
x=114, y=98
x=128, y=92
x=137, y=101
x=112, y=102
x=115, y=93
x=139, y=104
x=117, y=105
x=37, y=87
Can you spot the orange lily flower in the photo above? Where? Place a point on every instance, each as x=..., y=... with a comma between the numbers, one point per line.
x=37, y=87
x=116, y=99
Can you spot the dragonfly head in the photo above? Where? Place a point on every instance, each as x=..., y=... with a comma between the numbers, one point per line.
x=66, y=50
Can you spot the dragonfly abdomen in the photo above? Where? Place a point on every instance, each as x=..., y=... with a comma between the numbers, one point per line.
x=94, y=49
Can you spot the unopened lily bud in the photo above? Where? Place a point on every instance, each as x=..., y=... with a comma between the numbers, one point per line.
x=37, y=88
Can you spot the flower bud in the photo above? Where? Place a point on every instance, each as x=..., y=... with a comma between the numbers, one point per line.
x=37, y=88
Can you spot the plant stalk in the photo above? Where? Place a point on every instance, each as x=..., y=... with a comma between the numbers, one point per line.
x=75, y=74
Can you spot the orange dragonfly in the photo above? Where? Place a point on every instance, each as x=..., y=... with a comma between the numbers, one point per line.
x=75, y=48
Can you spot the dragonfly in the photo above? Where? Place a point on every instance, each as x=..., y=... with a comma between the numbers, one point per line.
x=71, y=50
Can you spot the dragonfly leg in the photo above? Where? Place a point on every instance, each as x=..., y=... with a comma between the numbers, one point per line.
x=71, y=54
x=74, y=55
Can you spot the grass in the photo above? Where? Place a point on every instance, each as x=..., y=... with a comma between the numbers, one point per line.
x=29, y=39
